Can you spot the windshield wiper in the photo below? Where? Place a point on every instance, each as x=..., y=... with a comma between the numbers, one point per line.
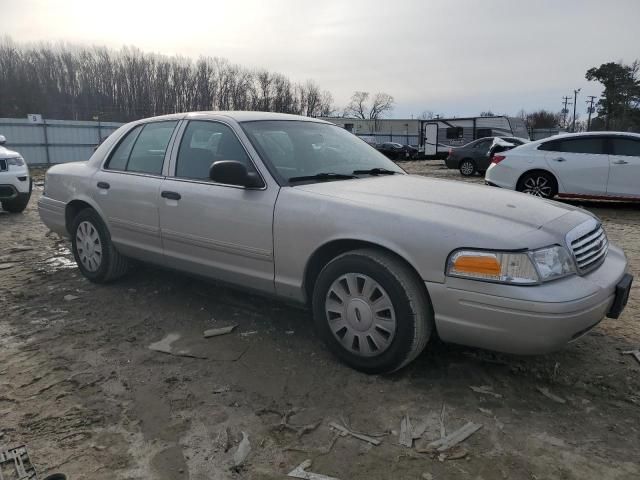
x=374, y=171
x=322, y=176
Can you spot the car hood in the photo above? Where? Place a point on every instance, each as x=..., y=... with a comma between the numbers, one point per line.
x=477, y=208
x=6, y=153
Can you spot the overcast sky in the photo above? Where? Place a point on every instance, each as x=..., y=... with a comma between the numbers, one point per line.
x=451, y=57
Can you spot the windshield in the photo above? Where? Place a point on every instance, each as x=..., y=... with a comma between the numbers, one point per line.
x=295, y=149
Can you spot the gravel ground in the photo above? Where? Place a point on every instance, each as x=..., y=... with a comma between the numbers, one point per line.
x=81, y=388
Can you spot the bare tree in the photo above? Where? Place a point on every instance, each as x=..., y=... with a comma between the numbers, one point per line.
x=382, y=103
x=69, y=82
x=357, y=107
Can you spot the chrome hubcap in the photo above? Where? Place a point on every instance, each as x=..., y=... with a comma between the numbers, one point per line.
x=466, y=168
x=360, y=314
x=538, y=186
x=89, y=246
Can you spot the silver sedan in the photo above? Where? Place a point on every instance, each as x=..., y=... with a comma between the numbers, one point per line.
x=303, y=210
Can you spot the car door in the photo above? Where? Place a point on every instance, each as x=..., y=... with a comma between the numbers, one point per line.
x=624, y=161
x=480, y=150
x=581, y=164
x=127, y=189
x=211, y=229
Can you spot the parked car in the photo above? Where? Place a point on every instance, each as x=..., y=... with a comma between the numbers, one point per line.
x=397, y=151
x=301, y=209
x=15, y=181
x=603, y=165
x=474, y=156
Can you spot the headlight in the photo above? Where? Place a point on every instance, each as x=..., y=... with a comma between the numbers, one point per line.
x=553, y=262
x=17, y=161
x=519, y=268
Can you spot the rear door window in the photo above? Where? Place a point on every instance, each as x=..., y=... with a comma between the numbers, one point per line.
x=120, y=155
x=625, y=146
x=147, y=155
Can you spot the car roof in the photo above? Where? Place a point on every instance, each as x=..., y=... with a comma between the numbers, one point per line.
x=238, y=116
x=592, y=134
x=566, y=136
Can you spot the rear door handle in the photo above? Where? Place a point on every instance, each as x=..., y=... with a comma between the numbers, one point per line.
x=104, y=185
x=620, y=162
x=559, y=159
x=171, y=195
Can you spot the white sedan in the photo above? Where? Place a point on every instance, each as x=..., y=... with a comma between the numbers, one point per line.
x=600, y=165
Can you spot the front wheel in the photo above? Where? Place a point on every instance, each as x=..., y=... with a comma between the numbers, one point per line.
x=467, y=167
x=17, y=204
x=95, y=254
x=372, y=311
x=539, y=184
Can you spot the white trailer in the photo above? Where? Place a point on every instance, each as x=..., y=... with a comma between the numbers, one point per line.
x=439, y=135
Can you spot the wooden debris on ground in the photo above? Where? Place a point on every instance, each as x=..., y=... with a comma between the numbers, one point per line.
x=486, y=390
x=344, y=431
x=443, y=430
x=241, y=454
x=453, y=439
x=284, y=424
x=165, y=346
x=406, y=432
x=635, y=353
x=301, y=472
x=552, y=396
x=455, y=453
x=215, y=332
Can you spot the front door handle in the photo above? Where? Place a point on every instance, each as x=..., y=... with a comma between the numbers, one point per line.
x=104, y=185
x=620, y=162
x=171, y=195
x=559, y=159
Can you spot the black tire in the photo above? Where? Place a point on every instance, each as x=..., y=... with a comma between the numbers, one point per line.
x=112, y=264
x=18, y=204
x=538, y=183
x=413, y=311
x=467, y=167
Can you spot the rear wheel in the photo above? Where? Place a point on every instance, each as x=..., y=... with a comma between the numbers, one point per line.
x=467, y=167
x=538, y=183
x=97, y=258
x=372, y=311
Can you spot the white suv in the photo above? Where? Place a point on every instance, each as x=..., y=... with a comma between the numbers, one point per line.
x=601, y=165
x=15, y=181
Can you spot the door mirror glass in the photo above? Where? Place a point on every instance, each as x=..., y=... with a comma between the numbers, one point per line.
x=3, y=140
x=232, y=172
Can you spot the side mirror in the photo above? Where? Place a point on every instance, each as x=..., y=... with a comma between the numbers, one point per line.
x=232, y=172
x=3, y=140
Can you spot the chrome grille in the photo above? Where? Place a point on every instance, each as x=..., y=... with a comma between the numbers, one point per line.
x=3, y=165
x=589, y=249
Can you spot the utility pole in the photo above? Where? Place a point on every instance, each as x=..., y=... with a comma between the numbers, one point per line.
x=575, y=100
x=590, y=109
x=565, y=110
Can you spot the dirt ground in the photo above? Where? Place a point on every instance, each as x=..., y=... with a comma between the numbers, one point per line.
x=80, y=387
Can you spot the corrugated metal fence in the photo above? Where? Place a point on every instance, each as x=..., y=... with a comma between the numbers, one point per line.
x=54, y=141
x=378, y=138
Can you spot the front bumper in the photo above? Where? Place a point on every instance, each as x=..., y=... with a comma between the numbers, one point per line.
x=526, y=319
x=13, y=182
